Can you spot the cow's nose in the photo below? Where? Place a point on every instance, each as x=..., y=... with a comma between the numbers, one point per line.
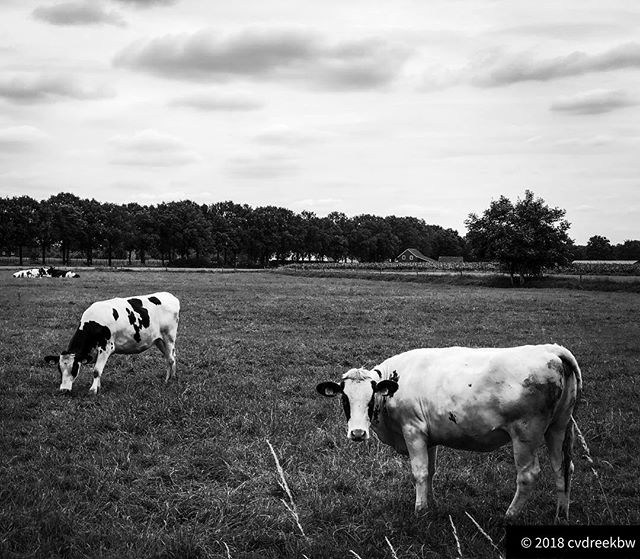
x=358, y=435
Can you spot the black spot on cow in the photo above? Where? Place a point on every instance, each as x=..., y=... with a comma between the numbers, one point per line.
x=98, y=334
x=115, y=314
x=346, y=406
x=452, y=417
x=132, y=317
x=135, y=324
x=155, y=300
x=548, y=393
x=96, y=374
x=372, y=403
x=139, y=318
x=469, y=385
x=86, y=339
x=139, y=309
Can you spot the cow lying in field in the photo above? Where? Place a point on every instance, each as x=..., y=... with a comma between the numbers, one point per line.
x=469, y=399
x=33, y=273
x=55, y=273
x=120, y=325
x=49, y=272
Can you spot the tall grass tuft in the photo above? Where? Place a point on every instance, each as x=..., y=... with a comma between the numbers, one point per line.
x=393, y=551
x=291, y=505
x=455, y=537
x=487, y=536
x=586, y=454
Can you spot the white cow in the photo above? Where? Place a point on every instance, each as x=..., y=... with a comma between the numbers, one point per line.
x=34, y=273
x=470, y=399
x=119, y=325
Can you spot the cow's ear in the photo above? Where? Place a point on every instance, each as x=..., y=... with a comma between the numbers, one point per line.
x=52, y=358
x=386, y=387
x=329, y=388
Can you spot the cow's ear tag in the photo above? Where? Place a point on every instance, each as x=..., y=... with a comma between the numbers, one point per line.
x=329, y=388
x=386, y=387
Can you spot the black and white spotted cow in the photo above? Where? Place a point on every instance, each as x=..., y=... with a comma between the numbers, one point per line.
x=120, y=325
x=470, y=399
x=55, y=273
x=48, y=272
x=34, y=273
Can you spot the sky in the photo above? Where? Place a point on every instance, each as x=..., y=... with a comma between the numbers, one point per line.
x=388, y=107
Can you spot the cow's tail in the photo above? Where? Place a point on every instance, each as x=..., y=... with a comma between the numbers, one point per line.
x=571, y=369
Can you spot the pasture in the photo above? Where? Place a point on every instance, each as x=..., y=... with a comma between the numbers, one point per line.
x=185, y=471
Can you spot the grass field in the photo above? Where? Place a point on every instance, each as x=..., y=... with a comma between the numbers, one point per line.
x=185, y=471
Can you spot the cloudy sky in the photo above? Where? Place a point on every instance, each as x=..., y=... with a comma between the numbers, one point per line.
x=403, y=107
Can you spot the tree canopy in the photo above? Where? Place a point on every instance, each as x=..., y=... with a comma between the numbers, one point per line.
x=525, y=237
x=222, y=234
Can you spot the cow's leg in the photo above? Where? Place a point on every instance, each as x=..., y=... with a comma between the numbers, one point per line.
x=433, y=459
x=421, y=469
x=525, y=453
x=101, y=361
x=559, y=439
x=167, y=346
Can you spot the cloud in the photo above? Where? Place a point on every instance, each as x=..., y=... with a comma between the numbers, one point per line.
x=147, y=3
x=153, y=149
x=20, y=138
x=283, y=135
x=262, y=53
x=262, y=165
x=215, y=101
x=322, y=205
x=493, y=69
x=78, y=13
x=37, y=88
x=593, y=102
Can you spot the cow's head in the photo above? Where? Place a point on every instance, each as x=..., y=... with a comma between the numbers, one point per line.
x=358, y=390
x=68, y=366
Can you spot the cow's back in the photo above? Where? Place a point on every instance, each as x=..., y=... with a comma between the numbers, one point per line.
x=464, y=392
x=135, y=322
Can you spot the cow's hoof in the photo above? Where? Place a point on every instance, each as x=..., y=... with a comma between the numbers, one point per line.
x=65, y=392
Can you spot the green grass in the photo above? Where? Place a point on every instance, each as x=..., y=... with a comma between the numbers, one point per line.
x=148, y=470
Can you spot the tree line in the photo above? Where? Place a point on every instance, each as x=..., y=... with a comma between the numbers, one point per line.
x=221, y=234
x=525, y=236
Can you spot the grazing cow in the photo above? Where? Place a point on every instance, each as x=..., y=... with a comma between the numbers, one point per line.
x=34, y=273
x=120, y=325
x=469, y=399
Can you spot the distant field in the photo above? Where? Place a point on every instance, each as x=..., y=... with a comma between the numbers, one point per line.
x=182, y=471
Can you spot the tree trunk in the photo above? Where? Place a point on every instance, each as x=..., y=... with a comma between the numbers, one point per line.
x=20, y=254
x=109, y=254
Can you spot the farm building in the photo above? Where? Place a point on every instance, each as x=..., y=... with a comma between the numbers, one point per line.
x=413, y=255
x=601, y=262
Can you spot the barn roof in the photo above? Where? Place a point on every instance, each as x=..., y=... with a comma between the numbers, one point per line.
x=622, y=262
x=416, y=254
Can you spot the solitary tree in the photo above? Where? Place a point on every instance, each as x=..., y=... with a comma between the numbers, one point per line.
x=525, y=237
